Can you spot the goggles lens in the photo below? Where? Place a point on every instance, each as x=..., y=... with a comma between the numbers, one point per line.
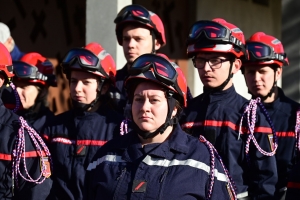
x=212, y=30
x=163, y=69
x=136, y=11
x=24, y=70
x=259, y=50
x=86, y=58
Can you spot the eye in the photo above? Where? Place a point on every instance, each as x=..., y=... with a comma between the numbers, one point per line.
x=138, y=99
x=215, y=61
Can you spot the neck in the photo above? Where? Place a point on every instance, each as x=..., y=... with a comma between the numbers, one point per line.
x=160, y=138
x=128, y=65
x=272, y=98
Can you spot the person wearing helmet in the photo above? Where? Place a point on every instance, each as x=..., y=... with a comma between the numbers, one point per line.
x=261, y=72
x=33, y=76
x=138, y=31
x=156, y=160
x=19, y=145
x=217, y=47
x=75, y=135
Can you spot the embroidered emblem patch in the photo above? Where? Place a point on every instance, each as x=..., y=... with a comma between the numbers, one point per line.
x=47, y=171
x=270, y=136
x=139, y=186
x=80, y=150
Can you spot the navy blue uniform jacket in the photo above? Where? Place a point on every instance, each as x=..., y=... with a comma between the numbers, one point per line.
x=9, y=126
x=178, y=168
x=217, y=116
x=74, y=139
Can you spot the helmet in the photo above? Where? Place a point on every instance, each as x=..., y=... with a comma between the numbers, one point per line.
x=160, y=70
x=92, y=58
x=140, y=15
x=34, y=68
x=5, y=63
x=216, y=35
x=265, y=49
x=42, y=63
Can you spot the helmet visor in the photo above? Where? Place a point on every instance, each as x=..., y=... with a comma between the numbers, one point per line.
x=210, y=29
x=137, y=12
x=162, y=68
x=27, y=71
x=86, y=58
x=87, y=61
x=260, y=51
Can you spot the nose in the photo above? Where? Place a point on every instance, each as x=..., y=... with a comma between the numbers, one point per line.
x=257, y=76
x=145, y=106
x=19, y=90
x=78, y=86
x=207, y=66
x=131, y=42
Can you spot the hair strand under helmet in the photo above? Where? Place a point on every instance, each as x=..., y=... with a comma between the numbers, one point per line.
x=137, y=14
x=218, y=36
x=264, y=50
x=93, y=59
x=155, y=68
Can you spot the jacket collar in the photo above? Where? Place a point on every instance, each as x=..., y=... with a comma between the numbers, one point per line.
x=176, y=143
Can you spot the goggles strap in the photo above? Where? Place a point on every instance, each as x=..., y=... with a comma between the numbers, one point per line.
x=153, y=42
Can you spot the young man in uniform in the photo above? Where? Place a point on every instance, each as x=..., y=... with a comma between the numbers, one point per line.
x=261, y=71
x=216, y=48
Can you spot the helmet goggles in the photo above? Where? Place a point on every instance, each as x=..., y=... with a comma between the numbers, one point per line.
x=212, y=31
x=87, y=60
x=26, y=71
x=138, y=12
x=163, y=70
x=263, y=52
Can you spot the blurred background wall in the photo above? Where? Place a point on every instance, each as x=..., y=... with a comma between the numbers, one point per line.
x=53, y=27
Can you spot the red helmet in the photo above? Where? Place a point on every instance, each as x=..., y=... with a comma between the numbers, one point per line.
x=216, y=35
x=5, y=62
x=160, y=70
x=138, y=14
x=42, y=63
x=265, y=49
x=92, y=58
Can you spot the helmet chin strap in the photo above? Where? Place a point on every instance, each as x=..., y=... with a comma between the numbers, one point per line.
x=153, y=42
x=168, y=122
x=222, y=86
x=82, y=107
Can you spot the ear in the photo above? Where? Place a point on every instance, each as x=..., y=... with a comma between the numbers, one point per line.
x=174, y=112
x=156, y=45
x=278, y=73
x=105, y=87
x=236, y=66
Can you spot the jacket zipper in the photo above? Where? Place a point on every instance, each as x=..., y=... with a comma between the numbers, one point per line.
x=119, y=178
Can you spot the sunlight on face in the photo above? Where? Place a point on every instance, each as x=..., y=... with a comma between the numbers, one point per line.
x=149, y=107
x=83, y=86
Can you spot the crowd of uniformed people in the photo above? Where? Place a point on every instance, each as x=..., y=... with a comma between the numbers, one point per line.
x=137, y=132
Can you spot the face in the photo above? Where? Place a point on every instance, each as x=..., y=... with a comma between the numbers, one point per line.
x=83, y=86
x=150, y=106
x=137, y=41
x=260, y=79
x=27, y=93
x=212, y=78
